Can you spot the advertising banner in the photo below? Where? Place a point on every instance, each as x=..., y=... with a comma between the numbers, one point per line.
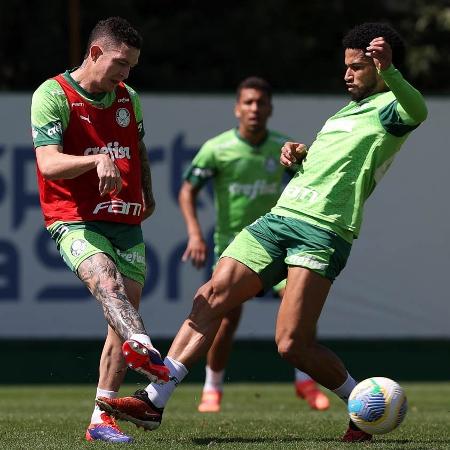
x=393, y=286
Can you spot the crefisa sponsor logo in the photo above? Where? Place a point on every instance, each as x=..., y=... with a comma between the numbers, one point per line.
x=254, y=190
x=114, y=149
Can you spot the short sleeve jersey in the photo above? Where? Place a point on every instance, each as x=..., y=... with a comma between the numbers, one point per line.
x=106, y=123
x=350, y=155
x=247, y=179
x=50, y=110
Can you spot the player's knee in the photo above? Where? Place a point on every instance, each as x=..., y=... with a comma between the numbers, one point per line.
x=221, y=287
x=286, y=348
x=209, y=302
x=293, y=351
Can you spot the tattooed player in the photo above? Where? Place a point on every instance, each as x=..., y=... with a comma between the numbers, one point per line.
x=95, y=189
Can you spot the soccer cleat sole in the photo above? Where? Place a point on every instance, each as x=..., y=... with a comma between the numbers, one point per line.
x=145, y=424
x=140, y=355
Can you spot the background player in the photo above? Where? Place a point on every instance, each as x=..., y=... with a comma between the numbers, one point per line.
x=247, y=181
x=95, y=189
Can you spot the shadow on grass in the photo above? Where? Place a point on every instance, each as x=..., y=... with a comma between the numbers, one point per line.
x=242, y=440
x=412, y=441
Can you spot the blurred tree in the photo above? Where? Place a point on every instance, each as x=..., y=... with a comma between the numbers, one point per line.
x=33, y=42
x=429, y=56
x=190, y=46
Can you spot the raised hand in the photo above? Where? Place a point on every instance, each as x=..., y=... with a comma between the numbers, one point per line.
x=381, y=53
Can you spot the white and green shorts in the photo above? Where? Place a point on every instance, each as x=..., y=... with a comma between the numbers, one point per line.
x=123, y=243
x=272, y=243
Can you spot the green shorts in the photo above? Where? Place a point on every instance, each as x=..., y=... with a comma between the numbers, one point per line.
x=219, y=249
x=272, y=243
x=77, y=241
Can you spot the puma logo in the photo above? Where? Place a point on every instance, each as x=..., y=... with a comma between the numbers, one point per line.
x=86, y=118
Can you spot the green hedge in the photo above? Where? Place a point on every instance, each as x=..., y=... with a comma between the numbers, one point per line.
x=76, y=361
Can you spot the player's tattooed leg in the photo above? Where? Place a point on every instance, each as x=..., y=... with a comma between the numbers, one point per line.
x=102, y=278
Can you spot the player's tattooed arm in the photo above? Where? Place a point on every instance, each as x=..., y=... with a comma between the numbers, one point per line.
x=100, y=275
x=146, y=176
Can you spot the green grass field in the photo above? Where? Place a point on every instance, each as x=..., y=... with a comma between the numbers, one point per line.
x=254, y=416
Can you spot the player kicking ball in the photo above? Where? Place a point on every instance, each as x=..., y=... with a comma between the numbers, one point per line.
x=309, y=233
x=95, y=190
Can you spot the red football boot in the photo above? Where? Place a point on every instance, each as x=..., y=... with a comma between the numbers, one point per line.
x=354, y=434
x=137, y=409
x=312, y=394
x=210, y=401
x=145, y=360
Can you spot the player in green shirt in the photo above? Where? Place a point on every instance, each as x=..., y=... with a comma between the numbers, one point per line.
x=244, y=165
x=50, y=113
x=309, y=233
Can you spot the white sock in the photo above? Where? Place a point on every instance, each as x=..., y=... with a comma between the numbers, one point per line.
x=343, y=391
x=159, y=394
x=95, y=418
x=301, y=376
x=213, y=380
x=142, y=339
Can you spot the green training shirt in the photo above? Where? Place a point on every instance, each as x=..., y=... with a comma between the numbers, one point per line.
x=350, y=155
x=247, y=179
x=50, y=109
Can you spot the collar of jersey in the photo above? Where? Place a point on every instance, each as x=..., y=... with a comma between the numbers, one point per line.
x=236, y=133
x=98, y=99
x=370, y=98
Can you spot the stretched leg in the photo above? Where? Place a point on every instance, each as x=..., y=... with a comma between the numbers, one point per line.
x=231, y=285
x=305, y=387
x=305, y=295
x=217, y=359
x=100, y=275
x=112, y=365
x=106, y=284
x=299, y=312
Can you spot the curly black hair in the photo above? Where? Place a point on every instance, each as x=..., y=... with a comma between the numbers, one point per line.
x=115, y=29
x=360, y=37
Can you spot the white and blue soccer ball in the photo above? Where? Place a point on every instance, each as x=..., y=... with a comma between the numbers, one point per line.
x=377, y=405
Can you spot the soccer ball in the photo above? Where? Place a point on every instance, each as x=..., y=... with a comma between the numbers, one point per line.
x=377, y=405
